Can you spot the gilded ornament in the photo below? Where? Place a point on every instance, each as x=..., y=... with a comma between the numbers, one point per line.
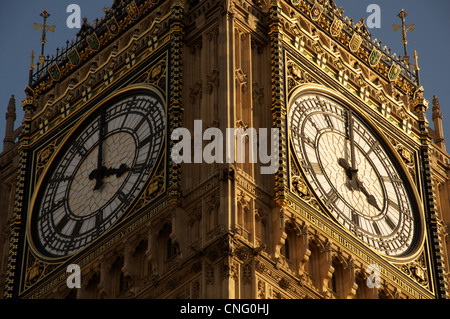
x=133, y=10
x=316, y=11
x=355, y=42
x=394, y=72
x=375, y=57
x=336, y=27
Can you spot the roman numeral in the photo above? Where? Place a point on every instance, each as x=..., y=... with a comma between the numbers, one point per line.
x=98, y=219
x=76, y=229
x=138, y=126
x=389, y=222
x=316, y=168
x=123, y=198
x=294, y=127
x=148, y=139
x=313, y=124
x=392, y=180
x=295, y=134
x=59, y=179
x=57, y=205
x=62, y=223
x=308, y=141
x=375, y=227
x=145, y=141
x=373, y=147
x=328, y=120
x=394, y=205
x=331, y=198
x=80, y=149
x=386, y=179
x=139, y=168
x=355, y=218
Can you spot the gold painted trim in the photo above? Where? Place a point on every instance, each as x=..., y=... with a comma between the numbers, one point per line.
x=319, y=89
x=68, y=137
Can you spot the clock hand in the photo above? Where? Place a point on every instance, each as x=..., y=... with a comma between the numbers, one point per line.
x=343, y=163
x=98, y=175
x=351, y=174
x=370, y=198
x=352, y=171
x=123, y=168
x=356, y=184
x=99, y=172
x=352, y=142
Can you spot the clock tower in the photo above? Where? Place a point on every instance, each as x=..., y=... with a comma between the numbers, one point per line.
x=357, y=208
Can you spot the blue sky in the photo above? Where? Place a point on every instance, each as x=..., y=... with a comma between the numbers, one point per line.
x=430, y=39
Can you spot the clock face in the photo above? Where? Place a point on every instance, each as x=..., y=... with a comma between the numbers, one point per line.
x=100, y=172
x=352, y=172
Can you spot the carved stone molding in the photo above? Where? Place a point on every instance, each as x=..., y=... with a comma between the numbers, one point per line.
x=195, y=94
x=212, y=80
x=241, y=79
x=296, y=75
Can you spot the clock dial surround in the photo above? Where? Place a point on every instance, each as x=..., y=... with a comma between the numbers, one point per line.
x=355, y=174
x=98, y=173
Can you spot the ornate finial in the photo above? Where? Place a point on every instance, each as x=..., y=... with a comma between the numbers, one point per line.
x=45, y=15
x=116, y=3
x=32, y=65
x=438, y=125
x=416, y=67
x=11, y=107
x=8, y=142
x=419, y=104
x=85, y=29
x=436, y=108
x=402, y=15
x=29, y=104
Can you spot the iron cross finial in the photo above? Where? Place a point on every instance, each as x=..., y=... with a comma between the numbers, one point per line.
x=45, y=15
x=402, y=15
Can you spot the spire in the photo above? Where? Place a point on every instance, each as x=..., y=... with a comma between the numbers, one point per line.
x=437, y=120
x=8, y=142
x=45, y=15
x=402, y=15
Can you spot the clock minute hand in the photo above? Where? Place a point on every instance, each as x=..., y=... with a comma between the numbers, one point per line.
x=352, y=142
x=352, y=176
x=343, y=163
x=101, y=137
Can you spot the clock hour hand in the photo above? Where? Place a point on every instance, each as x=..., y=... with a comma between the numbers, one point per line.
x=351, y=172
x=370, y=198
x=343, y=163
x=99, y=174
x=123, y=168
x=356, y=184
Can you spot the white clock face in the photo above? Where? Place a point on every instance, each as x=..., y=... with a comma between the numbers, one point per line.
x=354, y=175
x=100, y=173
